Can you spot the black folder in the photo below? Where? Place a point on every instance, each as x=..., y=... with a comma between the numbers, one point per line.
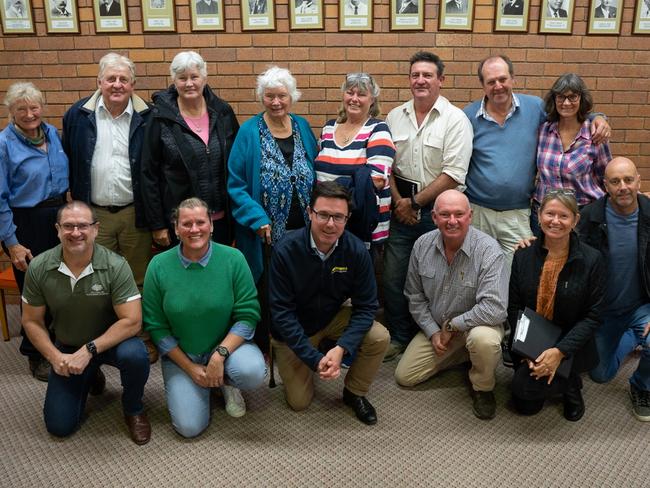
x=541, y=334
x=405, y=186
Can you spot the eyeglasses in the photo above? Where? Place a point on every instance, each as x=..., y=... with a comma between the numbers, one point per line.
x=325, y=217
x=568, y=192
x=573, y=98
x=81, y=226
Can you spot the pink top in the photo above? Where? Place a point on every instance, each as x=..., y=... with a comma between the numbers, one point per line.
x=200, y=126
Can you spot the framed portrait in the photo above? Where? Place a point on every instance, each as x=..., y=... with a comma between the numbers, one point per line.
x=605, y=16
x=407, y=14
x=456, y=15
x=511, y=15
x=306, y=14
x=61, y=16
x=17, y=17
x=556, y=16
x=355, y=15
x=257, y=14
x=158, y=16
x=110, y=15
x=642, y=17
x=207, y=15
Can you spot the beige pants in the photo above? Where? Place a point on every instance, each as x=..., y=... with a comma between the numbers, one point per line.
x=507, y=227
x=481, y=345
x=298, y=378
x=117, y=232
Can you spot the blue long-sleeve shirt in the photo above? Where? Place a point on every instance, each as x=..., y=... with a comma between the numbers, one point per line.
x=305, y=292
x=28, y=175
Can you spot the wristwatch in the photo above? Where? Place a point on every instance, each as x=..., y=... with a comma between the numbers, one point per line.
x=223, y=351
x=415, y=205
x=447, y=326
x=92, y=348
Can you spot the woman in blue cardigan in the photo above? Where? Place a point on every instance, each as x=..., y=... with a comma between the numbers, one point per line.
x=271, y=171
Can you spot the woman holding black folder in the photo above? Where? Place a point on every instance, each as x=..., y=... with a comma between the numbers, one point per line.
x=561, y=279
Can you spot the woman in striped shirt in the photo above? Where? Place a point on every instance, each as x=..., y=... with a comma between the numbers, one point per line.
x=357, y=150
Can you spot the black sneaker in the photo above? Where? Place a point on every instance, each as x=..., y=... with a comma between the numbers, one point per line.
x=40, y=368
x=640, y=403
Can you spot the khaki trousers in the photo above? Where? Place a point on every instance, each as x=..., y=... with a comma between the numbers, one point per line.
x=117, y=232
x=298, y=378
x=481, y=345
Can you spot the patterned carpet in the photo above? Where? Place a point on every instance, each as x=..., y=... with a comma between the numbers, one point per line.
x=425, y=437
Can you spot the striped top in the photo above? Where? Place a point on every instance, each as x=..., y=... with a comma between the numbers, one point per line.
x=373, y=145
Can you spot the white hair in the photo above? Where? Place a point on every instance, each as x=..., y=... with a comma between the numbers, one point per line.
x=187, y=60
x=276, y=77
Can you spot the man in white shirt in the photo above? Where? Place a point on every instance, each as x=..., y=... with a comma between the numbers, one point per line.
x=103, y=136
x=355, y=7
x=433, y=140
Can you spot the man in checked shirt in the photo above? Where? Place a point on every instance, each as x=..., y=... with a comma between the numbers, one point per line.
x=457, y=289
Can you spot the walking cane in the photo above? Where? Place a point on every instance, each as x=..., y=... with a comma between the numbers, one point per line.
x=266, y=309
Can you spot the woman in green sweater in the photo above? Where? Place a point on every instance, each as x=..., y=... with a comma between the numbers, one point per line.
x=201, y=308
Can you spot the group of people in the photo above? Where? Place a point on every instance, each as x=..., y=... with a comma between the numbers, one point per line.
x=443, y=194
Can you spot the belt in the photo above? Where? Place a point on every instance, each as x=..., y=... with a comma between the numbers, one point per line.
x=52, y=202
x=112, y=208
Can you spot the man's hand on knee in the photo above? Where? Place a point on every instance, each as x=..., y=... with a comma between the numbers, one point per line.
x=329, y=367
x=439, y=340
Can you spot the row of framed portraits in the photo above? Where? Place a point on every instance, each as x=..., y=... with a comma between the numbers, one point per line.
x=556, y=16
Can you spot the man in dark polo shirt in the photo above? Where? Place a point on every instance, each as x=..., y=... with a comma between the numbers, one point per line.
x=96, y=314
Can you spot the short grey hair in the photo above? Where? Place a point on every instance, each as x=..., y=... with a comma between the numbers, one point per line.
x=114, y=60
x=187, y=60
x=23, y=90
x=276, y=77
x=365, y=84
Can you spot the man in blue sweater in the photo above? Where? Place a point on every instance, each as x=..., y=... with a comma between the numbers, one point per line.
x=313, y=272
x=502, y=169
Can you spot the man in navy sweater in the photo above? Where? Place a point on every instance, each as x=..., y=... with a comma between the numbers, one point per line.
x=314, y=271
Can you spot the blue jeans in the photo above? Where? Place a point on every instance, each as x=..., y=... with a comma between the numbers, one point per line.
x=397, y=252
x=616, y=338
x=189, y=403
x=65, y=399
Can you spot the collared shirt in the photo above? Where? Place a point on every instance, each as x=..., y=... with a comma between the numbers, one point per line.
x=645, y=11
x=82, y=308
x=581, y=167
x=110, y=171
x=203, y=262
x=472, y=290
x=28, y=175
x=323, y=256
x=441, y=144
x=482, y=112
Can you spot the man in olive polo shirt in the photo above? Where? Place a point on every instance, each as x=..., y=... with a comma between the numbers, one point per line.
x=96, y=315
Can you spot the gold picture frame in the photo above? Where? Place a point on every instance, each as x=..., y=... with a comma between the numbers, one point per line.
x=605, y=17
x=641, y=17
x=158, y=16
x=456, y=15
x=355, y=15
x=110, y=16
x=406, y=14
x=16, y=16
x=511, y=15
x=257, y=14
x=556, y=16
x=207, y=15
x=61, y=16
x=305, y=14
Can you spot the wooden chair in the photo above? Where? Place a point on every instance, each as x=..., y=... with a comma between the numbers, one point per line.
x=7, y=282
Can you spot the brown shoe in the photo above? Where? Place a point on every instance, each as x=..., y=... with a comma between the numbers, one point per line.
x=139, y=428
x=152, y=351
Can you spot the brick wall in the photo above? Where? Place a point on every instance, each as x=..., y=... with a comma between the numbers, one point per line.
x=616, y=68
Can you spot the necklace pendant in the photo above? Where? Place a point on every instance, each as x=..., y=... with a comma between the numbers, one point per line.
x=198, y=129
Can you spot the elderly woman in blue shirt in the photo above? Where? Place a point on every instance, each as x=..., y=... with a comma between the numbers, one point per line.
x=33, y=185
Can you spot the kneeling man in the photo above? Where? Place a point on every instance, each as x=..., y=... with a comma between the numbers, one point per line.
x=457, y=289
x=96, y=314
x=313, y=272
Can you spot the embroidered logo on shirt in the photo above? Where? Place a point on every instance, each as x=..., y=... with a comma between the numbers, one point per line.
x=97, y=290
x=339, y=269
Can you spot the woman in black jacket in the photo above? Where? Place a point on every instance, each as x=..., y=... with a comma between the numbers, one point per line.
x=186, y=149
x=562, y=279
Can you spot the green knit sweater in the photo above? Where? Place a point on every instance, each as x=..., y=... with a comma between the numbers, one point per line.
x=197, y=305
